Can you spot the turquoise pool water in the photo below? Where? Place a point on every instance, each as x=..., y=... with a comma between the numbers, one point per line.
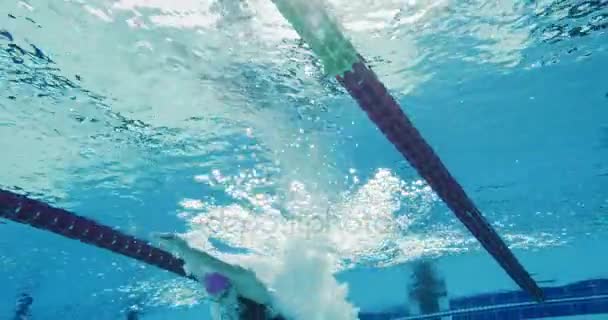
x=163, y=116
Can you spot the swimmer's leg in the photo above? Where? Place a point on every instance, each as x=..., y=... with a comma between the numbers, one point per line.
x=428, y=288
x=24, y=304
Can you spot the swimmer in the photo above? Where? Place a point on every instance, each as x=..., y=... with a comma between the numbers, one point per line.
x=236, y=292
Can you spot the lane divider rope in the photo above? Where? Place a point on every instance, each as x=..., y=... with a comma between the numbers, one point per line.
x=311, y=20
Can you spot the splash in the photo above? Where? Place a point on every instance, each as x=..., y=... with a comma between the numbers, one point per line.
x=304, y=285
x=297, y=249
x=363, y=224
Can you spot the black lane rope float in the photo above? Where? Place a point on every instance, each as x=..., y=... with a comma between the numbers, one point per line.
x=40, y=215
x=381, y=108
x=24, y=210
x=322, y=33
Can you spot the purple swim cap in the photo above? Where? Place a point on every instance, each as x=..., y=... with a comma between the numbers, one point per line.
x=216, y=283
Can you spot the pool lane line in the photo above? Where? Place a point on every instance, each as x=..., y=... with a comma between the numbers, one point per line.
x=513, y=307
x=40, y=215
x=311, y=20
